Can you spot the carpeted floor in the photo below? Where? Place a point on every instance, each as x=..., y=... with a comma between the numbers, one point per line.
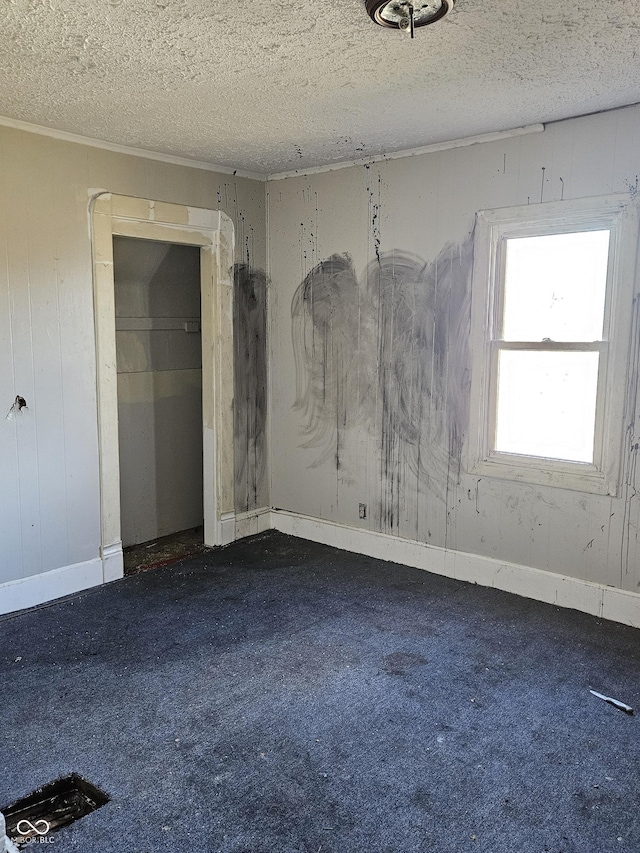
x=278, y=696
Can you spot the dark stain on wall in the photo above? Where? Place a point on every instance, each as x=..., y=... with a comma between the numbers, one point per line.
x=375, y=210
x=387, y=353
x=250, y=386
x=325, y=325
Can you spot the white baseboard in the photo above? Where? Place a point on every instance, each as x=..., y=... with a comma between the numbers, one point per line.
x=606, y=602
x=252, y=522
x=603, y=601
x=237, y=525
x=37, y=589
x=112, y=562
x=226, y=528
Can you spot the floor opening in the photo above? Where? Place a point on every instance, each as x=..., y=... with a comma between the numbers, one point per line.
x=34, y=817
x=162, y=551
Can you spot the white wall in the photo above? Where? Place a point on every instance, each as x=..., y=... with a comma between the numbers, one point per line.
x=332, y=451
x=49, y=493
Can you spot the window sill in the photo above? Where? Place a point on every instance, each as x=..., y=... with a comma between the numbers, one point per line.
x=563, y=475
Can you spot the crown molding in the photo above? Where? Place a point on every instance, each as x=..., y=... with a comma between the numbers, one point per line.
x=412, y=152
x=63, y=135
x=463, y=142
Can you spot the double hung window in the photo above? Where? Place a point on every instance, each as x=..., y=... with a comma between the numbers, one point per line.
x=552, y=302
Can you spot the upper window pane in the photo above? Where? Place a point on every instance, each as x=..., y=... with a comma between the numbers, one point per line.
x=555, y=287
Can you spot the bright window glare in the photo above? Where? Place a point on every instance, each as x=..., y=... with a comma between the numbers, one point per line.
x=555, y=287
x=547, y=404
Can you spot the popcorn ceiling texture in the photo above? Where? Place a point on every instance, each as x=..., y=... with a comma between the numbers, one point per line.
x=270, y=86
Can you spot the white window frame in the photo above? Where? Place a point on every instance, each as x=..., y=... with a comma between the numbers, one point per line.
x=618, y=214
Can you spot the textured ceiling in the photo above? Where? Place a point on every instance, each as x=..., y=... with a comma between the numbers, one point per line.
x=270, y=86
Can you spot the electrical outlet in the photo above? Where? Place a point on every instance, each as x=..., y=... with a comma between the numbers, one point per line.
x=362, y=510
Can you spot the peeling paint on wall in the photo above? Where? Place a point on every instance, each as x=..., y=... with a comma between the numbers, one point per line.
x=389, y=353
x=250, y=381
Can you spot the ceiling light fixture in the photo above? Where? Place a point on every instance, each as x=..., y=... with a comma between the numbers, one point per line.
x=404, y=15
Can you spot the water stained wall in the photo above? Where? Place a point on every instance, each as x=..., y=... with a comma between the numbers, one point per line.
x=387, y=353
x=371, y=355
x=250, y=386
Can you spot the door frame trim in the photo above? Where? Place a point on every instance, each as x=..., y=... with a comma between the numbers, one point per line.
x=212, y=230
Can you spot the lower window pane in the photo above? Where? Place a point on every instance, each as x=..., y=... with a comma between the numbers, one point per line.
x=547, y=404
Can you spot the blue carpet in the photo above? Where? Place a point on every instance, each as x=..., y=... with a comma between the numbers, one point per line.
x=278, y=696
